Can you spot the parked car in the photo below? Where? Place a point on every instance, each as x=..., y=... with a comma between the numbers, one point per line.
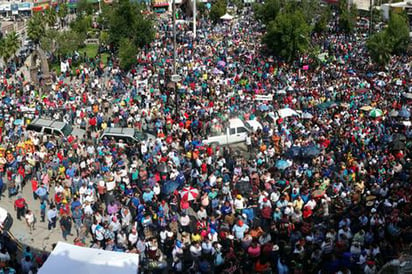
x=128, y=135
x=5, y=220
x=53, y=127
x=234, y=132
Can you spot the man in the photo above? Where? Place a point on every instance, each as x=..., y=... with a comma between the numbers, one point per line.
x=66, y=225
x=52, y=217
x=20, y=206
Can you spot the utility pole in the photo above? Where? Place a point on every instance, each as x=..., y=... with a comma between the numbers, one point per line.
x=194, y=18
x=370, y=16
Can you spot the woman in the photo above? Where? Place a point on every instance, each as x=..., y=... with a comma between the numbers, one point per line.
x=29, y=217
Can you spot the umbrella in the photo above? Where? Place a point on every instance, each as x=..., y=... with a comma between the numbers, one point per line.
x=380, y=83
x=217, y=71
x=287, y=112
x=398, y=145
x=407, y=95
x=289, y=88
x=374, y=113
x=404, y=113
x=226, y=16
x=221, y=63
x=189, y=193
x=366, y=108
x=307, y=115
x=393, y=113
x=281, y=91
x=326, y=105
x=293, y=152
x=310, y=151
x=18, y=122
x=283, y=164
x=381, y=73
x=263, y=107
x=169, y=186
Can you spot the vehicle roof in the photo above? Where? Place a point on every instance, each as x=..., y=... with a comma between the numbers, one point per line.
x=236, y=122
x=121, y=131
x=3, y=214
x=254, y=122
x=48, y=123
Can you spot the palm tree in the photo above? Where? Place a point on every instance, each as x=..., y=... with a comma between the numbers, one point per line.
x=379, y=48
x=13, y=42
x=36, y=28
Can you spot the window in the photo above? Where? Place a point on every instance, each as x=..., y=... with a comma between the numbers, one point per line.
x=232, y=131
x=241, y=130
x=47, y=130
x=34, y=128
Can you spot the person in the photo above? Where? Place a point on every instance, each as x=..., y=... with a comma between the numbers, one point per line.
x=20, y=206
x=65, y=225
x=30, y=220
x=26, y=265
x=52, y=217
x=43, y=207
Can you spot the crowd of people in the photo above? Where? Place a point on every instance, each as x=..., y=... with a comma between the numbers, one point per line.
x=186, y=207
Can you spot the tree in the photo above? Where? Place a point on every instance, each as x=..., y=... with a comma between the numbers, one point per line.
x=81, y=25
x=12, y=43
x=36, y=28
x=49, y=40
x=68, y=42
x=379, y=48
x=84, y=7
x=218, y=10
x=288, y=35
x=127, y=22
x=321, y=24
x=50, y=17
x=347, y=16
x=62, y=13
x=127, y=54
x=268, y=11
x=398, y=33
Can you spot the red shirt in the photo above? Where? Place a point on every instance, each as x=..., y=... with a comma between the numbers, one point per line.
x=20, y=203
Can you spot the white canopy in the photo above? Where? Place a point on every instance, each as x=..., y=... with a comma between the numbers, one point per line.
x=84, y=260
x=287, y=112
x=227, y=16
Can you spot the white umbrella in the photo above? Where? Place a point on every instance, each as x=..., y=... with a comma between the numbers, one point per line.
x=307, y=115
x=281, y=91
x=287, y=112
x=227, y=16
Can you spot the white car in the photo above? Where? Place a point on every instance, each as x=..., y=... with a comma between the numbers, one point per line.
x=235, y=132
x=5, y=220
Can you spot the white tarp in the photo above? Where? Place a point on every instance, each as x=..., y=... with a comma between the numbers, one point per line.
x=84, y=260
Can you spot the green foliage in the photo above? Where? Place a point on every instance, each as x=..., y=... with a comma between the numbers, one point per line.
x=392, y=40
x=268, y=11
x=50, y=17
x=81, y=25
x=36, y=28
x=68, y=42
x=9, y=46
x=288, y=35
x=104, y=38
x=321, y=23
x=347, y=16
x=218, y=10
x=84, y=7
x=127, y=22
x=379, y=48
x=398, y=33
x=49, y=40
x=200, y=7
x=127, y=54
x=63, y=11
x=239, y=4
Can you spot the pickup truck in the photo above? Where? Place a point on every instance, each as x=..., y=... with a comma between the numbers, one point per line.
x=235, y=132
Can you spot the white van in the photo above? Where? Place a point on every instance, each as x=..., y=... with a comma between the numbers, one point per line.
x=235, y=132
x=5, y=220
x=53, y=127
x=127, y=135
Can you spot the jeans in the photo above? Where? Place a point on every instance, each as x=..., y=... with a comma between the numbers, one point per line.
x=52, y=223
